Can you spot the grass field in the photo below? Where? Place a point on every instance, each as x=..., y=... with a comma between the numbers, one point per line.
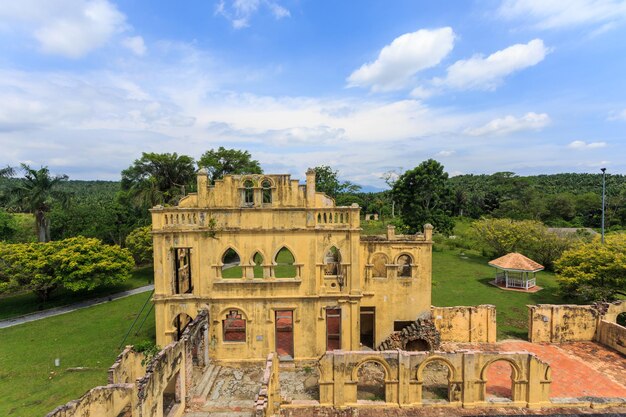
x=27, y=302
x=32, y=386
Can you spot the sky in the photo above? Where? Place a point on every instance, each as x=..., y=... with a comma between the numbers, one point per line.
x=367, y=87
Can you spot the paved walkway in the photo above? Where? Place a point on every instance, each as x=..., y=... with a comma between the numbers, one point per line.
x=579, y=369
x=14, y=321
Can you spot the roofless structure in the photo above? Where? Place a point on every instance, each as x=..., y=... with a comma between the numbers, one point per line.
x=515, y=270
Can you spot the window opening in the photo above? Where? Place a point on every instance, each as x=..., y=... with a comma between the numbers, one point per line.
x=371, y=383
x=285, y=261
x=333, y=328
x=257, y=259
x=267, y=192
x=231, y=264
x=234, y=327
x=248, y=193
x=404, y=266
x=332, y=262
x=379, y=266
x=182, y=273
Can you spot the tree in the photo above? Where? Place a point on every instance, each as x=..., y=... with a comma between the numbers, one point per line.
x=594, y=271
x=77, y=263
x=8, y=226
x=7, y=172
x=139, y=243
x=158, y=178
x=424, y=196
x=228, y=161
x=327, y=182
x=36, y=193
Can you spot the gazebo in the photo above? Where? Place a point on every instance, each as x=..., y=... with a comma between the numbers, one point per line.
x=514, y=270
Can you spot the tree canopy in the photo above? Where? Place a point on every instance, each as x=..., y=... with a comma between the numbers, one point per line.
x=139, y=243
x=77, y=263
x=594, y=271
x=424, y=196
x=228, y=161
x=158, y=178
x=327, y=181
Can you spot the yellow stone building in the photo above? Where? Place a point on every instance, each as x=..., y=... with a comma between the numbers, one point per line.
x=280, y=268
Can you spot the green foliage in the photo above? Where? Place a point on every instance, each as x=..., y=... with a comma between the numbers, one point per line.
x=228, y=161
x=148, y=348
x=424, y=196
x=594, y=271
x=75, y=264
x=36, y=193
x=139, y=243
x=529, y=237
x=8, y=226
x=327, y=182
x=158, y=178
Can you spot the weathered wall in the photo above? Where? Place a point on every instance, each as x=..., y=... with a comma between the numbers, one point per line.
x=466, y=324
x=404, y=377
x=268, y=399
x=106, y=401
x=555, y=323
x=612, y=335
x=127, y=367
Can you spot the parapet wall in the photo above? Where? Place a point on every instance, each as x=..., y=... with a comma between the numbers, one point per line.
x=612, y=335
x=268, y=400
x=110, y=400
x=404, y=377
x=466, y=324
x=558, y=323
x=127, y=367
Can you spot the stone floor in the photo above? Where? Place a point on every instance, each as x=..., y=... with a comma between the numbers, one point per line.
x=579, y=369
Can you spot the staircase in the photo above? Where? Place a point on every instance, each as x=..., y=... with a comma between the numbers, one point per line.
x=201, y=391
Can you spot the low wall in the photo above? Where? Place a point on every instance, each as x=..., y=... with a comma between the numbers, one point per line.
x=558, y=323
x=127, y=367
x=612, y=335
x=404, y=377
x=109, y=400
x=466, y=324
x=267, y=400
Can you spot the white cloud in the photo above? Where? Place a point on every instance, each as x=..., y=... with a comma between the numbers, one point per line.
x=554, y=14
x=581, y=145
x=239, y=12
x=135, y=44
x=487, y=73
x=399, y=61
x=510, y=124
x=445, y=153
x=70, y=28
x=617, y=115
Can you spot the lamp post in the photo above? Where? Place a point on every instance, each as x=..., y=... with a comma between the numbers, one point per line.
x=603, y=197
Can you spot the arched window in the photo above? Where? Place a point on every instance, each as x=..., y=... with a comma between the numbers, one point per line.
x=248, y=193
x=257, y=260
x=231, y=264
x=234, y=325
x=284, y=261
x=267, y=192
x=332, y=262
x=404, y=266
x=379, y=266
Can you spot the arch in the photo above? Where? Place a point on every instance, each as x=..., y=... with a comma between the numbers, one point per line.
x=225, y=311
x=332, y=261
x=231, y=264
x=418, y=344
x=257, y=260
x=284, y=263
x=379, y=263
x=405, y=263
x=449, y=365
x=436, y=375
x=180, y=323
x=385, y=365
x=501, y=386
x=266, y=187
x=371, y=377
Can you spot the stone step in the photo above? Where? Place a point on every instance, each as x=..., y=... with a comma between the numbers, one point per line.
x=203, y=388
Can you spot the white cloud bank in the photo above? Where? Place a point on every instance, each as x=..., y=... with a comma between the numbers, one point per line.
x=511, y=124
x=135, y=44
x=239, y=12
x=582, y=145
x=556, y=14
x=406, y=55
x=71, y=28
x=487, y=73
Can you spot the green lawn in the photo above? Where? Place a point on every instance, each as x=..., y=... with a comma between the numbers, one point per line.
x=464, y=280
x=31, y=385
x=27, y=302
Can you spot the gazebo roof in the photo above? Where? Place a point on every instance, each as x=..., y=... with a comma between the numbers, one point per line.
x=516, y=262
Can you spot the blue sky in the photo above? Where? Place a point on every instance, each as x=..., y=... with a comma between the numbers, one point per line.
x=529, y=86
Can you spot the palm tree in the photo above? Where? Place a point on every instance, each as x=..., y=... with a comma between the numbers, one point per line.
x=35, y=193
x=7, y=172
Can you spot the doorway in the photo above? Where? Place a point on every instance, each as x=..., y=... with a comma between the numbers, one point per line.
x=284, y=334
x=368, y=320
x=333, y=328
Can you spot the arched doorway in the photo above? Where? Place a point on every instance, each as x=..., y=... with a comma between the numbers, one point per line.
x=499, y=381
x=371, y=382
x=436, y=381
x=417, y=345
